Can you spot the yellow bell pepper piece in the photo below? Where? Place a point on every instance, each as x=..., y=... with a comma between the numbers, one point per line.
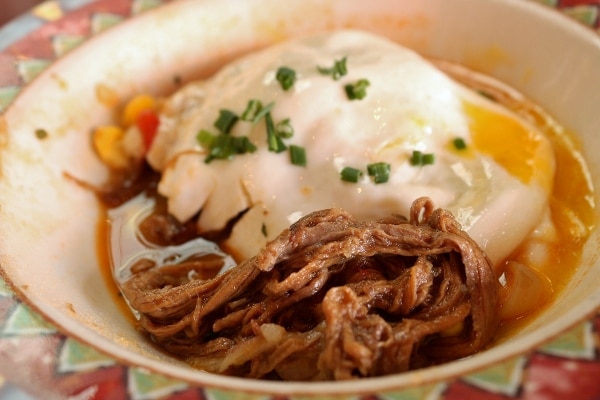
x=108, y=144
x=135, y=106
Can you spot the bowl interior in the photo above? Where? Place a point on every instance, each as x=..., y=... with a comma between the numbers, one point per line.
x=48, y=244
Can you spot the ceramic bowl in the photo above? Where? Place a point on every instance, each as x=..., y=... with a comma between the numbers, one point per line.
x=48, y=231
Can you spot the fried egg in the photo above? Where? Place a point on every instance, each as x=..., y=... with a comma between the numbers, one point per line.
x=497, y=185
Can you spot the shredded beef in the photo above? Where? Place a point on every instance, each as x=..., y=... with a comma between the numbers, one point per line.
x=330, y=298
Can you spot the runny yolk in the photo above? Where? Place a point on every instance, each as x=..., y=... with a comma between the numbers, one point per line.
x=550, y=159
x=524, y=152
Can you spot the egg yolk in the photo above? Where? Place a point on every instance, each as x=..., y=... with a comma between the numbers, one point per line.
x=521, y=150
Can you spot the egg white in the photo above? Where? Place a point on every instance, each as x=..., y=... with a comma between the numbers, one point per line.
x=410, y=105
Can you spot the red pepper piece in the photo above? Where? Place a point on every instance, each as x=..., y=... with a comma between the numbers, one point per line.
x=148, y=122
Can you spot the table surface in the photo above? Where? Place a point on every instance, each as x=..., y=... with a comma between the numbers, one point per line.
x=13, y=8
x=36, y=360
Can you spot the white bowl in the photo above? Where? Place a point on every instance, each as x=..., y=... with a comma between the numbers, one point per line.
x=48, y=231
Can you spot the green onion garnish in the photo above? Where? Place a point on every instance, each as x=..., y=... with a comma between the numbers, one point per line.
x=284, y=129
x=226, y=121
x=286, y=77
x=206, y=139
x=275, y=143
x=350, y=174
x=224, y=146
x=419, y=158
x=298, y=155
x=416, y=158
x=459, y=143
x=357, y=90
x=380, y=172
x=242, y=145
x=255, y=111
x=252, y=109
x=221, y=149
x=262, y=112
x=338, y=70
x=428, y=159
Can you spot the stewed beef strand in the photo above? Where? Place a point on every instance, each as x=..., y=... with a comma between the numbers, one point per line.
x=331, y=298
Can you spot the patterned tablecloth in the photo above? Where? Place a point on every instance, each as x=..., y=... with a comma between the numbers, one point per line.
x=37, y=358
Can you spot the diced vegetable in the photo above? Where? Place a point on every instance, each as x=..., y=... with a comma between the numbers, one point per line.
x=147, y=122
x=205, y=139
x=274, y=141
x=350, y=174
x=298, y=155
x=286, y=77
x=134, y=107
x=263, y=112
x=226, y=121
x=428, y=159
x=338, y=70
x=224, y=146
x=284, y=129
x=121, y=146
x=243, y=145
x=357, y=90
x=380, y=172
x=459, y=143
x=252, y=109
x=419, y=158
x=107, y=143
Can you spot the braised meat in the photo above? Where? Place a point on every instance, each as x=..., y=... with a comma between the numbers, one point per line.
x=331, y=298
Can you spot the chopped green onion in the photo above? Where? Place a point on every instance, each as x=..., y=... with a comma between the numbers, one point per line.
x=416, y=158
x=419, y=158
x=252, y=109
x=338, y=70
x=221, y=149
x=255, y=111
x=357, y=90
x=459, y=143
x=350, y=174
x=226, y=121
x=263, y=112
x=428, y=159
x=242, y=145
x=205, y=138
x=298, y=155
x=284, y=129
x=224, y=146
x=380, y=172
x=286, y=77
x=275, y=143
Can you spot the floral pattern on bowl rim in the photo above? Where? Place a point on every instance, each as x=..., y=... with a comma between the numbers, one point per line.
x=44, y=361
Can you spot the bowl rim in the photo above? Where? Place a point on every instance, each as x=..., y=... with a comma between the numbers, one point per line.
x=432, y=375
